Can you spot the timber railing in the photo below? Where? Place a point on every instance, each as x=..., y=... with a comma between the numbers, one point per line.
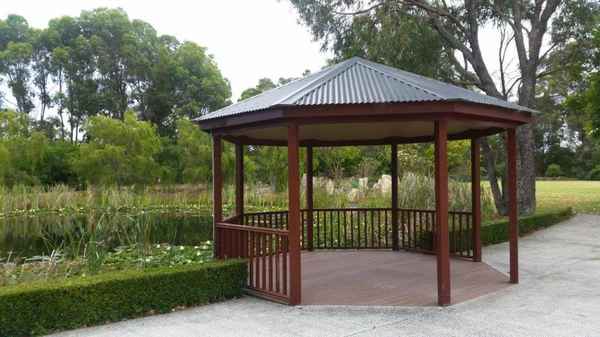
x=262, y=238
x=267, y=252
x=371, y=228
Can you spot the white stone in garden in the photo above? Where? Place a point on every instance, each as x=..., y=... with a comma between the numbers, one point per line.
x=353, y=194
x=385, y=184
x=329, y=186
x=363, y=184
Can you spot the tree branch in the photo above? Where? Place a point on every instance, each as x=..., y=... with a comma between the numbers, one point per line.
x=359, y=12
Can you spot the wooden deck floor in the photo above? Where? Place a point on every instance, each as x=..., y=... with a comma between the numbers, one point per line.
x=389, y=278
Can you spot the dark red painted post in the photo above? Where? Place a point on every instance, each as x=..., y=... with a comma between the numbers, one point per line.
x=217, y=192
x=239, y=182
x=294, y=215
x=394, y=172
x=441, y=211
x=476, y=198
x=309, y=197
x=513, y=227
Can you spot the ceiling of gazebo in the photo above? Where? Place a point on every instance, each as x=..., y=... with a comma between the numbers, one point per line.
x=358, y=133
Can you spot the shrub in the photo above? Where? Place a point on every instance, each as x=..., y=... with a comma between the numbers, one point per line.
x=554, y=170
x=595, y=173
x=42, y=307
x=498, y=232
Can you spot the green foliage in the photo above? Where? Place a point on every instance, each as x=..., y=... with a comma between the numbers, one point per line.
x=270, y=165
x=337, y=162
x=497, y=232
x=595, y=173
x=119, y=152
x=392, y=37
x=554, y=170
x=101, y=62
x=196, y=152
x=40, y=308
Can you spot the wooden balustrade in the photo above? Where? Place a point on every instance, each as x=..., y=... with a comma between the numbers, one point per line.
x=351, y=228
x=273, y=219
x=267, y=252
x=262, y=238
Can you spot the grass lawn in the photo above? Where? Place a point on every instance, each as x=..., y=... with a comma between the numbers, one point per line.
x=582, y=196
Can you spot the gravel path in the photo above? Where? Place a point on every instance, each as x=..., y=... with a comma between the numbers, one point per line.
x=559, y=295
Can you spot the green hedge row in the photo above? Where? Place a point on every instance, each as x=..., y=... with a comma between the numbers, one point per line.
x=497, y=232
x=39, y=308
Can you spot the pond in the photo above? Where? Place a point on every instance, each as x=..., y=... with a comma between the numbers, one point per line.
x=27, y=235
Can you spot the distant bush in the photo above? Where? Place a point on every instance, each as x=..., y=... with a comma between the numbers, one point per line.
x=554, y=170
x=43, y=307
x=595, y=173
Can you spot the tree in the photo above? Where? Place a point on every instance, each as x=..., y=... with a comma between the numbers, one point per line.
x=110, y=34
x=118, y=152
x=525, y=27
x=101, y=62
x=196, y=152
x=264, y=84
x=200, y=86
x=15, y=59
x=41, y=66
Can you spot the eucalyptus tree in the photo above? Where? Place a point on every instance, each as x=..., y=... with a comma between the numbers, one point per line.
x=109, y=32
x=41, y=66
x=529, y=29
x=15, y=59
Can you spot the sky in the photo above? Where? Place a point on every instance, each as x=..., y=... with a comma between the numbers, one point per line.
x=248, y=39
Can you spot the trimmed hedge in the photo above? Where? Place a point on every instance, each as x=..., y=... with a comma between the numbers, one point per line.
x=497, y=232
x=39, y=308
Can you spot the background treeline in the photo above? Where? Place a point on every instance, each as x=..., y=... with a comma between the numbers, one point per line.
x=132, y=152
x=102, y=99
x=102, y=63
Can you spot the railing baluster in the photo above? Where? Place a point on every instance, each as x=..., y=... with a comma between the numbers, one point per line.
x=318, y=224
x=331, y=227
x=366, y=222
x=277, y=248
x=372, y=228
x=339, y=239
x=270, y=245
x=263, y=269
x=284, y=263
x=380, y=228
x=344, y=214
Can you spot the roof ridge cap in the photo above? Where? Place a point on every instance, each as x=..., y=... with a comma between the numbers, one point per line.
x=326, y=77
x=399, y=79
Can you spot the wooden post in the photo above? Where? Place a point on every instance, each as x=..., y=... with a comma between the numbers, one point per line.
x=476, y=198
x=513, y=226
x=239, y=182
x=441, y=211
x=394, y=172
x=217, y=192
x=309, y=198
x=294, y=215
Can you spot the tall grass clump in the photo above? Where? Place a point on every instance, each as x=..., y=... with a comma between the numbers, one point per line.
x=415, y=191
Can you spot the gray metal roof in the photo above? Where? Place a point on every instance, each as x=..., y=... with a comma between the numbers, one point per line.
x=359, y=81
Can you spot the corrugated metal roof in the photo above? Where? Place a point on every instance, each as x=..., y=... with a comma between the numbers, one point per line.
x=359, y=81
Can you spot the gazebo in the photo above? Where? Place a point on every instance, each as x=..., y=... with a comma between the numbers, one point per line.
x=355, y=103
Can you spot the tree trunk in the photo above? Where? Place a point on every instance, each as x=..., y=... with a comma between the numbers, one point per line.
x=526, y=150
x=490, y=166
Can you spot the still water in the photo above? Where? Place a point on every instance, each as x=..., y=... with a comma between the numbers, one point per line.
x=35, y=235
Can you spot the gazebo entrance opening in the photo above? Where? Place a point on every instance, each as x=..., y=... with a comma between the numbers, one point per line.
x=358, y=102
